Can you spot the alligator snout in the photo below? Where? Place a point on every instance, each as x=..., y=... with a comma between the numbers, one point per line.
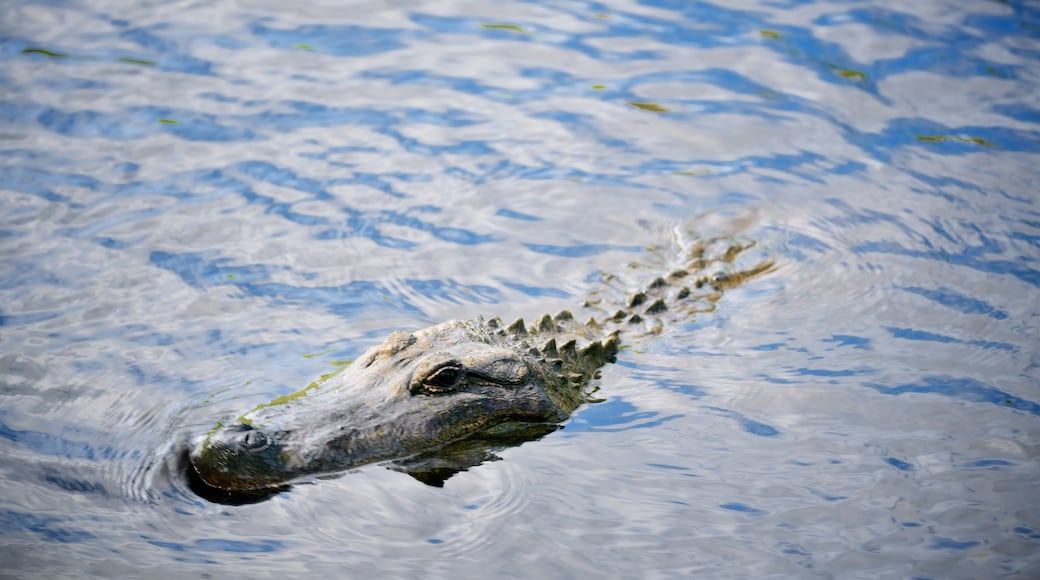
x=239, y=456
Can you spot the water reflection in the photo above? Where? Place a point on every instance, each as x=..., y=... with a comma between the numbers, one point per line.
x=197, y=199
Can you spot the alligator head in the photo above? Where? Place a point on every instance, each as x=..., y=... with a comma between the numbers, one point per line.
x=433, y=402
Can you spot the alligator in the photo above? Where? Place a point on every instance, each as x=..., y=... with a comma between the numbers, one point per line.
x=443, y=399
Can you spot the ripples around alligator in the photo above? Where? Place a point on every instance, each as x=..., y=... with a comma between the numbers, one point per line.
x=205, y=206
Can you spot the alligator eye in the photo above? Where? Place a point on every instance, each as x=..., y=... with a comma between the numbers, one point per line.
x=442, y=379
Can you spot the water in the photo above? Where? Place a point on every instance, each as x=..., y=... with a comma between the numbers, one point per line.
x=207, y=205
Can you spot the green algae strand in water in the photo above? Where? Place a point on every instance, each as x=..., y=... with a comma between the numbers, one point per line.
x=770, y=34
x=653, y=107
x=56, y=54
x=945, y=138
x=693, y=173
x=512, y=27
x=851, y=74
x=170, y=122
x=44, y=52
x=136, y=61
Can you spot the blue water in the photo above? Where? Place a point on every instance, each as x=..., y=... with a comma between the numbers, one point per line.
x=207, y=205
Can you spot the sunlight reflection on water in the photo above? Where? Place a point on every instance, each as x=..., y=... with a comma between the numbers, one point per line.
x=205, y=206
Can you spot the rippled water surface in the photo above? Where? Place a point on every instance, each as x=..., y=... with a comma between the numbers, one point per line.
x=206, y=205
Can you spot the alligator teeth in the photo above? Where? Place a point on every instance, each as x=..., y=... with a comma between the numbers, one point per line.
x=683, y=293
x=657, y=283
x=494, y=323
x=564, y=315
x=635, y=319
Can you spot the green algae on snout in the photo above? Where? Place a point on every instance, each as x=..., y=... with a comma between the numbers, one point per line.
x=209, y=434
x=286, y=399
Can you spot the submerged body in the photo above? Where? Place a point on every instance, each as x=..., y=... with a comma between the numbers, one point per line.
x=442, y=399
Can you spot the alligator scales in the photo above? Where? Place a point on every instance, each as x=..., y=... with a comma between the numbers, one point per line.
x=442, y=399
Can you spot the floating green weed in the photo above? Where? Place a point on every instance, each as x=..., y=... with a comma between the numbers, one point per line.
x=848, y=73
x=315, y=354
x=140, y=61
x=56, y=54
x=512, y=27
x=845, y=73
x=958, y=138
x=693, y=173
x=653, y=107
x=45, y=52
